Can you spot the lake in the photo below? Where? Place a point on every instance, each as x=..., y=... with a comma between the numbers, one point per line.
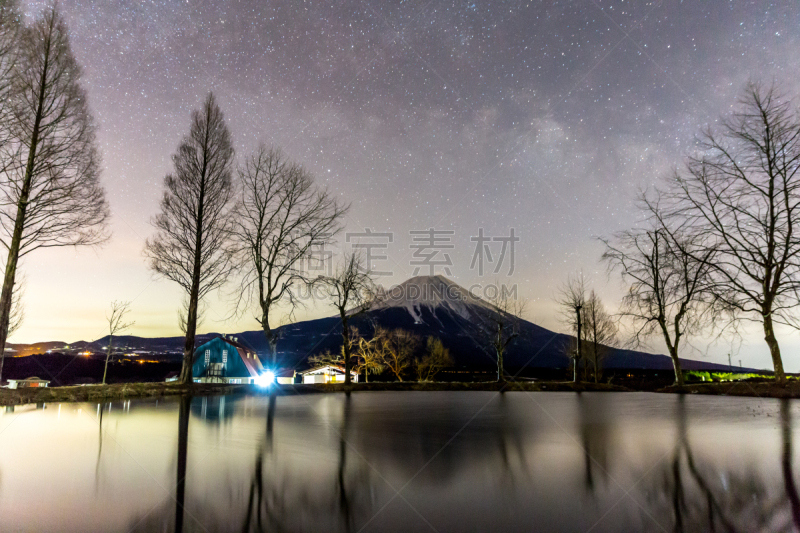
x=403, y=461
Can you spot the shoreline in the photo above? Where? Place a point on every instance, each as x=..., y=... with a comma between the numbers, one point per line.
x=120, y=391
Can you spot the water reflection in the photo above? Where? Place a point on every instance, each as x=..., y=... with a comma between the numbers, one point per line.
x=700, y=494
x=595, y=433
x=405, y=462
x=786, y=463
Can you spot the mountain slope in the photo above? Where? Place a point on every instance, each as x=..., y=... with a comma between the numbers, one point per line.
x=434, y=305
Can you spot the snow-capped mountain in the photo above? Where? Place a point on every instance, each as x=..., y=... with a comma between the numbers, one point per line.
x=436, y=306
x=427, y=306
x=432, y=295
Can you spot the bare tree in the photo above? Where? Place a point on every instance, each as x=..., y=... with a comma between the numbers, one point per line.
x=572, y=300
x=351, y=291
x=600, y=332
x=435, y=359
x=50, y=192
x=397, y=348
x=116, y=324
x=328, y=358
x=190, y=246
x=369, y=354
x=502, y=324
x=17, y=316
x=281, y=216
x=668, y=274
x=10, y=22
x=742, y=191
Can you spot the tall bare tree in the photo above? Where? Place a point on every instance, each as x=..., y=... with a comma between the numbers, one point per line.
x=116, y=324
x=668, y=274
x=191, y=244
x=742, y=191
x=600, y=332
x=351, y=291
x=10, y=22
x=281, y=216
x=501, y=324
x=571, y=299
x=50, y=192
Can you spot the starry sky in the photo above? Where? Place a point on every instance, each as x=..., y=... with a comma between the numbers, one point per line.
x=544, y=117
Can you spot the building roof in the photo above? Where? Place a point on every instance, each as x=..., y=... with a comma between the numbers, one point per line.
x=32, y=378
x=253, y=364
x=323, y=367
x=235, y=343
x=250, y=360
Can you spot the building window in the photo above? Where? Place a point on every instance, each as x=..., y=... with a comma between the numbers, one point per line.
x=208, y=356
x=224, y=356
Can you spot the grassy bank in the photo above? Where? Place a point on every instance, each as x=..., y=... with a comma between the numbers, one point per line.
x=119, y=391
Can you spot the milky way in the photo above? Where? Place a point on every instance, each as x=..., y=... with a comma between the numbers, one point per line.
x=544, y=117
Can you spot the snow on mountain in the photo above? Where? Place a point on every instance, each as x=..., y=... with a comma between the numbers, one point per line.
x=434, y=293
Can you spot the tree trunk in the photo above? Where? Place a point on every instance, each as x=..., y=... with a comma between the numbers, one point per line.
x=191, y=330
x=774, y=349
x=499, y=351
x=272, y=340
x=272, y=337
x=108, y=356
x=501, y=377
x=191, y=315
x=346, y=347
x=7, y=295
x=676, y=365
x=578, y=344
x=500, y=369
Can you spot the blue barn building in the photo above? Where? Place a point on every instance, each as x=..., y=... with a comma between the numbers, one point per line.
x=223, y=360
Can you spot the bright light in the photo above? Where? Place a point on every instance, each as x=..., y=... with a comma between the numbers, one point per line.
x=266, y=379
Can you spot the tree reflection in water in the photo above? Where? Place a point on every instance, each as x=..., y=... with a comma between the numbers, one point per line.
x=277, y=502
x=183, y=443
x=329, y=464
x=595, y=433
x=692, y=494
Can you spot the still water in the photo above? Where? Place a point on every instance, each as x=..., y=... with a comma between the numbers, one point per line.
x=420, y=461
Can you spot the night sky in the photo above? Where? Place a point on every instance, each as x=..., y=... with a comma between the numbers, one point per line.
x=544, y=117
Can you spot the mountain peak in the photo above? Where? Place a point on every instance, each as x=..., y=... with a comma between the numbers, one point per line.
x=434, y=292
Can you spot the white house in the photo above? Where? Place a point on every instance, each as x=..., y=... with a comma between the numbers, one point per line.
x=28, y=382
x=327, y=374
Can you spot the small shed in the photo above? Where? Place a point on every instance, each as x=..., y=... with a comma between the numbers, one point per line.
x=285, y=376
x=27, y=383
x=224, y=360
x=327, y=374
